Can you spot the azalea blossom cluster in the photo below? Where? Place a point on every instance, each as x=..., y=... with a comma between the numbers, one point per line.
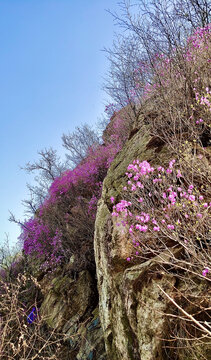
x=199, y=38
x=161, y=204
x=38, y=240
x=203, y=100
x=88, y=173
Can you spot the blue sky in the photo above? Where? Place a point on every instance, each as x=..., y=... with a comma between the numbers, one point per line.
x=51, y=74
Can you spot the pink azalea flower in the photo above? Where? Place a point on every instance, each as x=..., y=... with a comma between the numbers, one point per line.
x=156, y=228
x=179, y=174
x=199, y=216
x=205, y=272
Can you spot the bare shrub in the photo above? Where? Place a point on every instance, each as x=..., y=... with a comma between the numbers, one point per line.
x=25, y=336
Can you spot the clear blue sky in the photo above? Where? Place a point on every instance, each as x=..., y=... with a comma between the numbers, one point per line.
x=51, y=70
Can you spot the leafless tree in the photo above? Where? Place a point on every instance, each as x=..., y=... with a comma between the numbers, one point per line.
x=196, y=12
x=78, y=143
x=160, y=25
x=47, y=168
x=121, y=82
x=49, y=165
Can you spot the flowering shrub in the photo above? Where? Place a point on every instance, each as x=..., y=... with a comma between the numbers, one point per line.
x=164, y=211
x=177, y=91
x=89, y=173
x=39, y=241
x=168, y=219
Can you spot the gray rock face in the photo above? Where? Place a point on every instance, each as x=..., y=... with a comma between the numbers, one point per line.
x=133, y=309
x=70, y=307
